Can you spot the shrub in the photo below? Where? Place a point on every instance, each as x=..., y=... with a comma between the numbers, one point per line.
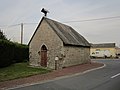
x=6, y=53
x=12, y=52
x=21, y=53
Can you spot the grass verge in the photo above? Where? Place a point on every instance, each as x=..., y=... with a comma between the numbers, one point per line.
x=20, y=70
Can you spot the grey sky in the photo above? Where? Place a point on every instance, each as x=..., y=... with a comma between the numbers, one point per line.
x=28, y=11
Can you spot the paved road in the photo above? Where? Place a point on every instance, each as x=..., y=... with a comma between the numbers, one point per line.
x=107, y=78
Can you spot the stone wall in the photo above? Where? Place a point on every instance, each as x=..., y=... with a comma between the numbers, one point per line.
x=75, y=55
x=45, y=36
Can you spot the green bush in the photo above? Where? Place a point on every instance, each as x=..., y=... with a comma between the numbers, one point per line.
x=12, y=52
x=6, y=53
x=21, y=53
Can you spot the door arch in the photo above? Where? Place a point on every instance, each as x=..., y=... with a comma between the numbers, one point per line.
x=44, y=56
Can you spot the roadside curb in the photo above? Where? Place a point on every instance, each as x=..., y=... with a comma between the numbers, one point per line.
x=57, y=78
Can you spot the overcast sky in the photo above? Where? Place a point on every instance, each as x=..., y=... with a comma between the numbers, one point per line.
x=14, y=12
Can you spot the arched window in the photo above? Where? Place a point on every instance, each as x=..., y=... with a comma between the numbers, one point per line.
x=43, y=48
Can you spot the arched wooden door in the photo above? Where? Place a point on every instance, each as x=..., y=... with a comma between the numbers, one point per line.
x=44, y=56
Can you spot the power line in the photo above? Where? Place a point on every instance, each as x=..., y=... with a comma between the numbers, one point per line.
x=29, y=23
x=85, y=20
x=6, y=26
x=13, y=25
x=94, y=19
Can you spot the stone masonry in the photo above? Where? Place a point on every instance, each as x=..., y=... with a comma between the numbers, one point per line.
x=68, y=55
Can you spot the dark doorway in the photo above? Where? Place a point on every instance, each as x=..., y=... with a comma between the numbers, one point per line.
x=44, y=56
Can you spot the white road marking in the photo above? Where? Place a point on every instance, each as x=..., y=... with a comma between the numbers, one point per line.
x=115, y=75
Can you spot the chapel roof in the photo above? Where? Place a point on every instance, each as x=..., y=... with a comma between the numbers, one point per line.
x=66, y=33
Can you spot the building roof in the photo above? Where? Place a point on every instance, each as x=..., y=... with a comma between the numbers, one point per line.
x=66, y=33
x=103, y=45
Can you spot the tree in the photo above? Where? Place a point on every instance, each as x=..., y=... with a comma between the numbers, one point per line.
x=2, y=36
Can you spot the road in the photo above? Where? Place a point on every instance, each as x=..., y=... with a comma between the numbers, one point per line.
x=107, y=78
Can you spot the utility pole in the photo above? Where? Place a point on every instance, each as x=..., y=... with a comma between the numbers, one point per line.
x=21, y=33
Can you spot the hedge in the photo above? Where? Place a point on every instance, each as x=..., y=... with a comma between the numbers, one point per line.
x=12, y=52
x=21, y=53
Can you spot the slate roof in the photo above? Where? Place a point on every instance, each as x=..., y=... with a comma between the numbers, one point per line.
x=103, y=45
x=66, y=33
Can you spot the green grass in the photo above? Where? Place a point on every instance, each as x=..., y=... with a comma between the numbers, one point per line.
x=20, y=70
